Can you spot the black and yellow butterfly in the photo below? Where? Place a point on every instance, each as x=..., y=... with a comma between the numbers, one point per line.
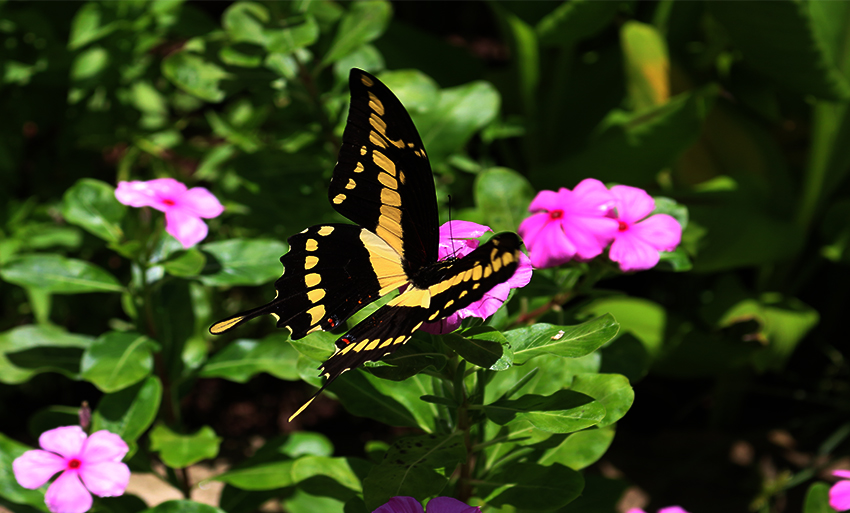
x=383, y=182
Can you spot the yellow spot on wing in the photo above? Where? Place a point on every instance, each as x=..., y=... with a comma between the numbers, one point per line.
x=351, y=184
x=401, y=339
x=376, y=104
x=324, y=231
x=373, y=344
x=449, y=304
x=384, y=163
x=310, y=262
x=339, y=198
x=312, y=279
x=301, y=409
x=221, y=327
x=312, y=245
x=412, y=297
x=497, y=264
x=507, y=258
x=390, y=197
x=378, y=124
x=363, y=150
x=316, y=314
x=362, y=345
x=366, y=81
x=388, y=181
x=488, y=271
x=476, y=272
x=377, y=140
x=359, y=168
x=463, y=293
x=385, y=343
x=385, y=262
x=434, y=315
x=316, y=295
x=392, y=213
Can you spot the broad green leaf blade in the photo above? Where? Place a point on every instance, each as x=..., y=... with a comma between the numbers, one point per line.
x=267, y=476
x=195, y=76
x=317, y=346
x=34, y=348
x=417, y=466
x=570, y=22
x=86, y=26
x=644, y=319
x=243, y=262
x=409, y=360
x=390, y=402
x=817, y=499
x=563, y=341
x=243, y=22
x=647, y=65
x=180, y=451
x=564, y=411
x=185, y=264
x=9, y=487
x=339, y=470
x=580, y=449
x=783, y=40
x=91, y=204
x=502, y=196
x=183, y=506
x=59, y=275
x=363, y=23
x=242, y=359
x=484, y=348
x=531, y=487
x=297, y=35
x=117, y=360
x=612, y=391
x=131, y=411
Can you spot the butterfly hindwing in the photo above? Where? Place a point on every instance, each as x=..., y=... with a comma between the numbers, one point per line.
x=330, y=272
x=382, y=180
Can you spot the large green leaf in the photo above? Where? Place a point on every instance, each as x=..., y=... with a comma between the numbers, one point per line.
x=531, y=487
x=502, y=196
x=564, y=411
x=243, y=261
x=573, y=21
x=783, y=40
x=563, y=341
x=612, y=391
x=117, y=360
x=58, y=275
x=280, y=474
x=243, y=359
x=131, y=411
x=485, y=348
x=364, y=22
x=817, y=499
x=9, y=487
x=644, y=319
x=91, y=204
x=180, y=451
x=647, y=65
x=29, y=350
x=183, y=506
x=417, y=466
x=580, y=449
x=197, y=77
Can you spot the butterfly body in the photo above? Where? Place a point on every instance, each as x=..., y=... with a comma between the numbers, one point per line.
x=383, y=182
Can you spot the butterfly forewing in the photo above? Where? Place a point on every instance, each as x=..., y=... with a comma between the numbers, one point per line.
x=382, y=180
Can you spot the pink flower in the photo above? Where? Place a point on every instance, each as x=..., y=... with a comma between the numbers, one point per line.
x=435, y=505
x=670, y=509
x=839, y=494
x=568, y=224
x=96, y=460
x=639, y=238
x=457, y=238
x=183, y=208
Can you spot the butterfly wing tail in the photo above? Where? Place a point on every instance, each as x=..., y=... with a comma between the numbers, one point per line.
x=233, y=321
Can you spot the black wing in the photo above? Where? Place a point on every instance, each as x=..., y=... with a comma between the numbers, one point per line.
x=382, y=180
x=330, y=272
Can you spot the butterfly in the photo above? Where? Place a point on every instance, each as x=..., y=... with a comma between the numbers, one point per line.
x=382, y=182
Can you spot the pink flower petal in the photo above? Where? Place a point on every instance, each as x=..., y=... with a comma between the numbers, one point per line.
x=589, y=235
x=443, y=326
x=201, y=203
x=841, y=473
x=34, y=468
x=530, y=228
x=635, y=510
x=551, y=248
x=103, y=446
x=633, y=204
x=660, y=231
x=549, y=200
x=839, y=496
x=632, y=253
x=462, y=230
x=591, y=197
x=400, y=505
x=153, y=193
x=68, y=495
x=106, y=478
x=66, y=441
x=449, y=505
x=672, y=509
x=187, y=229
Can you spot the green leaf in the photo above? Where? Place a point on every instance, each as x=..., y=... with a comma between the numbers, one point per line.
x=243, y=359
x=268, y=476
x=783, y=41
x=390, y=402
x=502, y=195
x=195, y=76
x=339, y=470
x=644, y=319
x=580, y=449
x=317, y=346
x=131, y=411
x=409, y=360
x=117, y=360
x=484, y=348
x=89, y=63
x=242, y=262
x=612, y=391
x=58, y=275
x=817, y=499
x=363, y=23
x=86, y=27
x=574, y=21
x=29, y=350
x=243, y=22
x=185, y=263
x=647, y=65
x=297, y=35
x=563, y=341
x=9, y=487
x=183, y=506
x=531, y=487
x=91, y=205
x=418, y=466
x=280, y=474
x=180, y=451
x=564, y=411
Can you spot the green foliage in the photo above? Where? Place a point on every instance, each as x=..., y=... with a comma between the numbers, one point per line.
x=733, y=115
